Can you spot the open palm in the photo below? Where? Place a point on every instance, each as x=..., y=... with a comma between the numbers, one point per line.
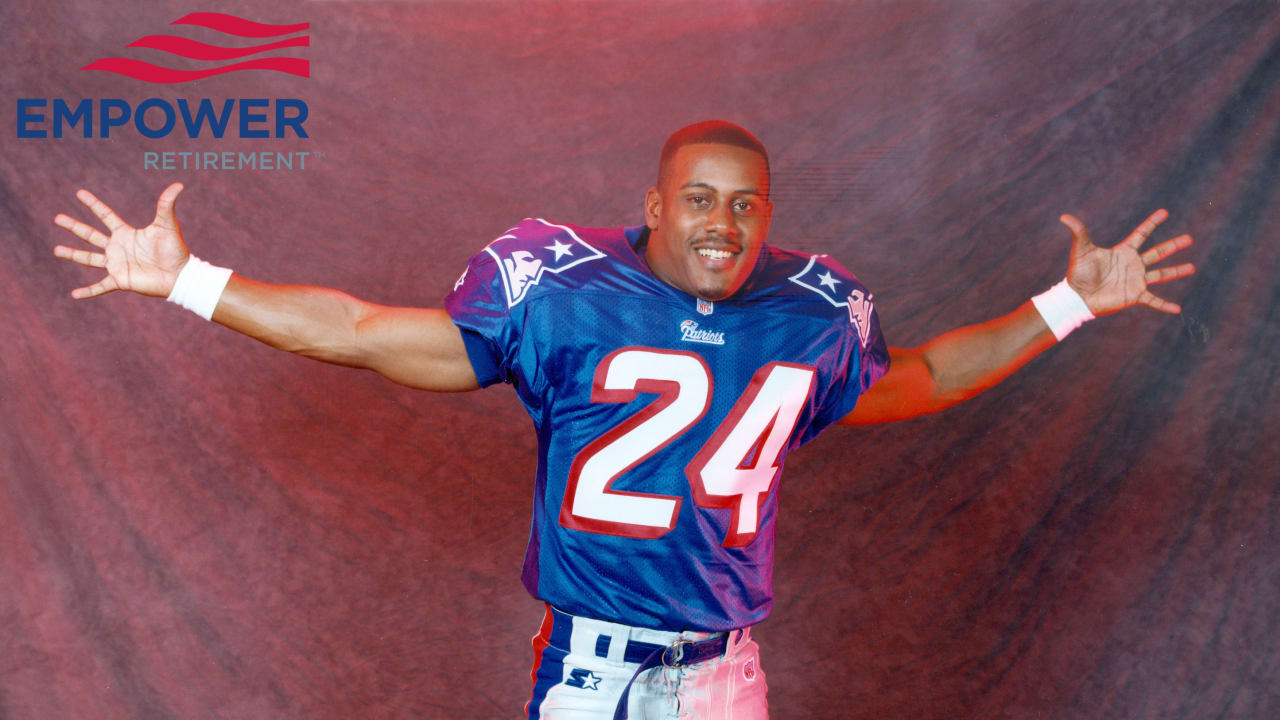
x=1111, y=279
x=146, y=261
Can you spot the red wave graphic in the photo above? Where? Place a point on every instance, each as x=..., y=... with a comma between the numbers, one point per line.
x=196, y=50
x=147, y=72
x=232, y=25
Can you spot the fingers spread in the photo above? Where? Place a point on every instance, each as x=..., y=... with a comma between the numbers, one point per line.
x=1169, y=273
x=1165, y=249
x=1079, y=235
x=1143, y=231
x=84, y=257
x=99, y=208
x=1146, y=298
x=84, y=232
x=106, y=285
x=164, y=206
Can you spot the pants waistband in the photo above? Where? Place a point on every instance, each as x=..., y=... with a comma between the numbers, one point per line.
x=621, y=643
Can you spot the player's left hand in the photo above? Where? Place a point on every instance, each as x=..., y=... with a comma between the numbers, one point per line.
x=1111, y=279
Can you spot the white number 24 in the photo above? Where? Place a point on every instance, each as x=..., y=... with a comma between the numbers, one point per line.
x=734, y=470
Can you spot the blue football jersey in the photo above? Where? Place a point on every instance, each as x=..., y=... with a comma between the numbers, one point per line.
x=663, y=420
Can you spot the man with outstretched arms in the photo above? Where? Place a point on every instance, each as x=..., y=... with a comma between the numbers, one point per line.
x=669, y=368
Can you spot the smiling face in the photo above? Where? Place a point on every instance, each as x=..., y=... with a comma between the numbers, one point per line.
x=708, y=218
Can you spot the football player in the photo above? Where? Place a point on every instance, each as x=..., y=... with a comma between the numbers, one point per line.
x=699, y=357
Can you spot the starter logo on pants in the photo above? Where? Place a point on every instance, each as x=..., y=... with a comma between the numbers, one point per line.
x=584, y=679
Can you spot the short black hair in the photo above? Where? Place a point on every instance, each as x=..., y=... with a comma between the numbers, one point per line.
x=709, y=131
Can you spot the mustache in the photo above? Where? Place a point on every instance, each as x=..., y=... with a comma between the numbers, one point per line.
x=718, y=242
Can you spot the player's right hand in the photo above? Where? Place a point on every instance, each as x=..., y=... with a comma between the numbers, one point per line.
x=146, y=261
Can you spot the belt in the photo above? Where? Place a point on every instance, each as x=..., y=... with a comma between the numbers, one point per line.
x=680, y=653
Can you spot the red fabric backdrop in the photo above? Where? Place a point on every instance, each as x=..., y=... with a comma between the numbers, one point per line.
x=193, y=525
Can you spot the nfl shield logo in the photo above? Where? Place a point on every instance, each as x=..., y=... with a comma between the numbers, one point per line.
x=705, y=307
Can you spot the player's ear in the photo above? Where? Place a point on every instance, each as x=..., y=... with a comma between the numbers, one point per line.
x=652, y=208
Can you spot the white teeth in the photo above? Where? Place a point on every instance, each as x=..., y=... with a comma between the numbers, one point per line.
x=716, y=254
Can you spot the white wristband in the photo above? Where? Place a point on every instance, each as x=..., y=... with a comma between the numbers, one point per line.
x=199, y=286
x=1062, y=309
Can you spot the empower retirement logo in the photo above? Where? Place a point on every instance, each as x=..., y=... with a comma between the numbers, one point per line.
x=195, y=50
x=158, y=118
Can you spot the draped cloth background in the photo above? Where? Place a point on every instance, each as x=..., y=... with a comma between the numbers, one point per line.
x=193, y=525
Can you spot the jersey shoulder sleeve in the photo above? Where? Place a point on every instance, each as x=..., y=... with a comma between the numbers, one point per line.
x=822, y=283
x=489, y=298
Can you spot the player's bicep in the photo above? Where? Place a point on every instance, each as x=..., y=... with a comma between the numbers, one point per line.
x=907, y=390
x=418, y=347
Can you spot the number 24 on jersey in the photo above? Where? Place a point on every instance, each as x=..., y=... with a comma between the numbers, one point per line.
x=734, y=470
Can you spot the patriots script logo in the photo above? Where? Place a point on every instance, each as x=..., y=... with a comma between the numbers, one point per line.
x=689, y=332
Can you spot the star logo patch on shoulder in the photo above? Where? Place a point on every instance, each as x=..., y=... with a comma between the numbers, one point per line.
x=819, y=279
x=522, y=262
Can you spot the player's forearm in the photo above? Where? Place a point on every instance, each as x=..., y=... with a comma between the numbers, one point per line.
x=968, y=360
x=316, y=322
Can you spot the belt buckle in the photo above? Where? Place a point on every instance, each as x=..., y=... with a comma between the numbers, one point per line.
x=677, y=652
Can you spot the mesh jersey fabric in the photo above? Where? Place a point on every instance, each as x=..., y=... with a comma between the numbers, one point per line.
x=646, y=511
